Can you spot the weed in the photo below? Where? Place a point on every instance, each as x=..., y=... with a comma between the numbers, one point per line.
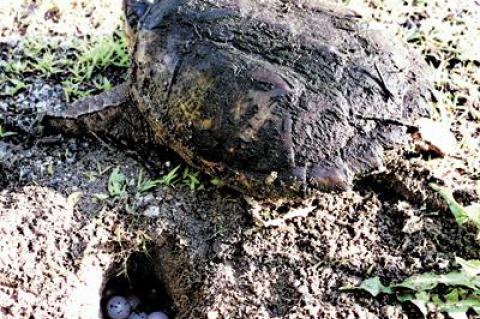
x=190, y=178
x=117, y=184
x=170, y=177
x=4, y=133
x=455, y=293
x=78, y=65
x=48, y=64
x=14, y=67
x=104, y=52
x=463, y=215
x=16, y=85
x=104, y=85
x=72, y=89
x=94, y=57
x=144, y=184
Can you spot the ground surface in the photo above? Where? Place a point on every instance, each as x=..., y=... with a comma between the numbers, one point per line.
x=66, y=229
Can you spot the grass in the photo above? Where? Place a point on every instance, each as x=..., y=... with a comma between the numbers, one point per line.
x=4, y=134
x=82, y=66
x=128, y=191
x=444, y=32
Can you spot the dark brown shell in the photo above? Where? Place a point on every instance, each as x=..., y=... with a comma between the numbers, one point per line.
x=276, y=98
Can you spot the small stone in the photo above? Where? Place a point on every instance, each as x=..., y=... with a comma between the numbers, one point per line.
x=145, y=201
x=435, y=137
x=152, y=211
x=213, y=315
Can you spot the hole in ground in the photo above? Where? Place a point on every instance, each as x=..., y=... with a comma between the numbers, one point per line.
x=137, y=282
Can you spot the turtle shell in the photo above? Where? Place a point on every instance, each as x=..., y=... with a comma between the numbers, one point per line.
x=276, y=98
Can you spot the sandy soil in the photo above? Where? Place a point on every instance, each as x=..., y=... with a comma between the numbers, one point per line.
x=201, y=254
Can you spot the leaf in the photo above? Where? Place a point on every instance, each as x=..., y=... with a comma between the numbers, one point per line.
x=453, y=296
x=421, y=300
x=460, y=214
x=471, y=267
x=426, y=281
x=462, y=279
x=374, y=287
x=430, y=281
x=458, y=309
x=101, y=196
x=74, y=198
x=116, y=183
x=170, y=177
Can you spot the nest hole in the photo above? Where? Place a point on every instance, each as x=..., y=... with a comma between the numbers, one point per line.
x=137, y=279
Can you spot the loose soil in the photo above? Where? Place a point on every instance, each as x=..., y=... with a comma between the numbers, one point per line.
x=62, y=250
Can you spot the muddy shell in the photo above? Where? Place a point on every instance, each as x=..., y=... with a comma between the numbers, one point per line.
x=273, y=97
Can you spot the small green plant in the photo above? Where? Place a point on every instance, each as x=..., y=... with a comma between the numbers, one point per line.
x=14, y=86
x=104, y=52
x=454, y=293
x=94, y=57
x=72, y=89
x=48, y=64
x=145, y=185
x=191, y=179
x=33, y=47
x=103, y=85
x=15, y=67
x=463, y=215
x=170, y=177
x=217, y=182
x=78, y=64
x=117, y=184
x=4, y=133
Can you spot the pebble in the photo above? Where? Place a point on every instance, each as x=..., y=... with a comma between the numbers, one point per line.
x=152, y=211
x=437, y=137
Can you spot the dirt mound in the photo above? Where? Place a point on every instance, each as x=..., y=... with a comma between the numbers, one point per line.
x=202, y=255
x=38, y=259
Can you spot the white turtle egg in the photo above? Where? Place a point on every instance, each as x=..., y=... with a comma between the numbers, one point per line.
x=134, y=301
x=138, y=315
x=157, y=315
x=118, y=308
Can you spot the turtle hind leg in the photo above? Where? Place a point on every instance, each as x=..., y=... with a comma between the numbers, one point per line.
x=110, y=115
x=112, y=118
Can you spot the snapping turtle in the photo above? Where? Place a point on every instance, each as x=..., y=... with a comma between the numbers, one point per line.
x=276, y=98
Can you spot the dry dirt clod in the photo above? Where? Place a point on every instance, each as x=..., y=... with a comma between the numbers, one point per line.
x=436, y=138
